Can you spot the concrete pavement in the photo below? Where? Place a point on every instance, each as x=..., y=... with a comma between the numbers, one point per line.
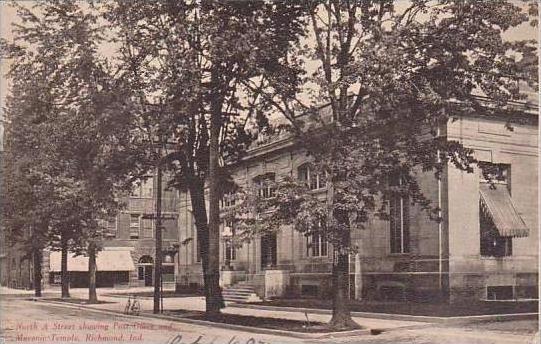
x=197, y=303
x=395, y=331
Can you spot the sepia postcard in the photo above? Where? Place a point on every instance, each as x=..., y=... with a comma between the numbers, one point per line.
x=267, y=172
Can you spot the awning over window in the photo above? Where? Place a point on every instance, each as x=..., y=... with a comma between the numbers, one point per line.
x=497, y=204
x=105, y=261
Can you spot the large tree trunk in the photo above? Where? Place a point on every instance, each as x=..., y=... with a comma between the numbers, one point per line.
x=215, y=302
x=213, y=296
x=65, y=281
x=341, y=314
x=37, y=257
x=92, y=269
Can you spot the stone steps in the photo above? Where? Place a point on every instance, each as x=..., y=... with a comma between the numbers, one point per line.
x=241, y=292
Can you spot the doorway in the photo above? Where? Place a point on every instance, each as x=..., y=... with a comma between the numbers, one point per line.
x=148, y=275
x=268, y=250
x=146, y=269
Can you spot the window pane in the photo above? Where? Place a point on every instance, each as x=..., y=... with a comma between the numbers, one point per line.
x=134, y=226
x=497, y=173
x=315, y=245
x=148, y=228
x=313, y=183
x=303, y=173
x=147, y=188
x=323, y=245
x=394, y=222
x=134, y=220
x=491, y=243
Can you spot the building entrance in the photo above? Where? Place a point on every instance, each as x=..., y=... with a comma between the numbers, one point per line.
x=268, y=250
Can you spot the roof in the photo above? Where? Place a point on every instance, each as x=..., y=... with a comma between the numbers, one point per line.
x=105, y=261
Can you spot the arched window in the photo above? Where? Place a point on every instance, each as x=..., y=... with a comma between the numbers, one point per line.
x=265, y=185
x=146, y=260
x=314, y=180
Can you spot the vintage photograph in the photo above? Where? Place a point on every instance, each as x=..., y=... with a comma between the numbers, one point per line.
x=269, y=171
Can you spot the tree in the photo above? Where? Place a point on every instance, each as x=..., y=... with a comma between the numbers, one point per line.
x=82, y=132
x=392, y=75
x=187, y=61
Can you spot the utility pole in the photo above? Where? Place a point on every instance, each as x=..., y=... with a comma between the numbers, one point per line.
x=158, y=238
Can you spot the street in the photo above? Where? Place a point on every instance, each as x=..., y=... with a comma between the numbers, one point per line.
x=26, y=321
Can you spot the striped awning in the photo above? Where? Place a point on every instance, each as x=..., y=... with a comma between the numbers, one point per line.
x=498, y=205
x=105, y=261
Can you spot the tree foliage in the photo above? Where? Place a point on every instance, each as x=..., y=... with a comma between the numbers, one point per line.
x=72, y=144
x=391, y=76
x=186, y=62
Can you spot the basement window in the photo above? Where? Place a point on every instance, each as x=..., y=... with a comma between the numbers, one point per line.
x=504, y=292
x=309, y=290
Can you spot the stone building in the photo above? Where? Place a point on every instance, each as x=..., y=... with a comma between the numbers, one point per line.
x=486, y=247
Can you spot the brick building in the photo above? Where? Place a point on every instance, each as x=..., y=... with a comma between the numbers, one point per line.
x=128, y=254
x=485, y=248
x=127, y=258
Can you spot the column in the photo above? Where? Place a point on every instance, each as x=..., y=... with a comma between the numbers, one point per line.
x=358, y=277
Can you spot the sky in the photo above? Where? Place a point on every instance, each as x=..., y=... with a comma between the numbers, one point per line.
x=8, y=16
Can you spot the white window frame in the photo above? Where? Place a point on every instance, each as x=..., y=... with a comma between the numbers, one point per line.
x=143, y=229
x=316, y=184
x=110, y=231
x=229, y=200
x=137, y=191
x=134, y=225
x=402, y=249
x=263, y=185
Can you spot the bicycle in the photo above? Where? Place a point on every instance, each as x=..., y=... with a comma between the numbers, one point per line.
x=133, y=306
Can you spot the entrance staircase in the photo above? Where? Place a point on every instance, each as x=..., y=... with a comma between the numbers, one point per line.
x=242, y=292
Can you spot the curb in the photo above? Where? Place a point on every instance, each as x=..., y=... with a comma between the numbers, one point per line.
x=283, y=333
x=402, y=317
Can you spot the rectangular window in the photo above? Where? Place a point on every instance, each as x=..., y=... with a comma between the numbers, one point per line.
x=197, y=245
x=143, y=189
x=399, y=220
x=141, y=273
x=500, y=292
x=134, y=226
x=495, y=173
x=148, y=227
x=109, y=227
x=492, y=244
x=147, y=188
x=228, y=200
x=316, y=245
x=264, y=185
x=315, y=181
x=230, y=251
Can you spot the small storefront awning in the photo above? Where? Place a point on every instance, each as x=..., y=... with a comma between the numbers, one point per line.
x=105, y=261
x=497, y=203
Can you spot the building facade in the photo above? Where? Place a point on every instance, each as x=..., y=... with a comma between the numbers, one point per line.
x=486, y=247
x=128, y=248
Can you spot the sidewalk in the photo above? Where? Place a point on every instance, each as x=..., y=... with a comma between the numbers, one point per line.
x=78, y=292
x=197, y=303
